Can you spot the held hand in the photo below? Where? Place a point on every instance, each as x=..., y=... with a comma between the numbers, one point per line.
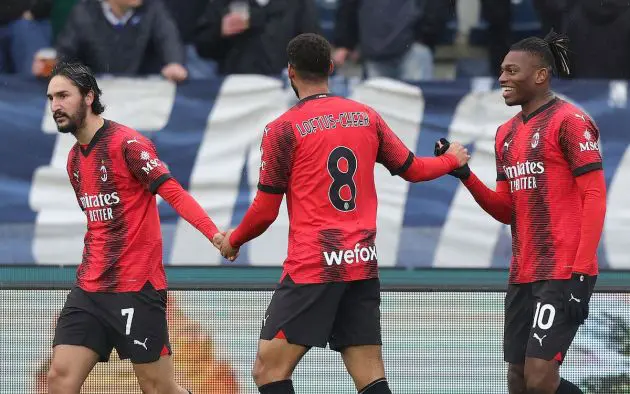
x=227, y=250
x=458, y=150
x=577, y=295
x=217, y=240
x=444, y=146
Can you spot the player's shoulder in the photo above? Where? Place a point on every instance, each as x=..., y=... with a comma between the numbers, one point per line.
x=571, y=113
x=123, y=135
x=282, y=124
x=506, y=126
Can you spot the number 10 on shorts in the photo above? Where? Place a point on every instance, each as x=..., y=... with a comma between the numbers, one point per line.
x=542, y=319
x=129, y=313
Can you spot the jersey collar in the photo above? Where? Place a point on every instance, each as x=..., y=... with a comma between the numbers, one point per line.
x=95, y=139
x=539, y=110
x=315, y=96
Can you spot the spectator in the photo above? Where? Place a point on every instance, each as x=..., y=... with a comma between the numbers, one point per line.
x=553, y=13
x=599, y=34
x=395, y=37
x=123, y=37
x=250, y=37
x=60, y=12
x=186, y=18
x=498, y=14
x=24, y=29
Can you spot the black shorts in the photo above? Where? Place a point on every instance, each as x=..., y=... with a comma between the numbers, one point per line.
x=338, y=313
x=536, y=323
x=132, y=322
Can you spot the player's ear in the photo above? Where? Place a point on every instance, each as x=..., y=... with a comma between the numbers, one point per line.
x=291, y=71
x=331, y=68
x=542, y=75
x=89, y=98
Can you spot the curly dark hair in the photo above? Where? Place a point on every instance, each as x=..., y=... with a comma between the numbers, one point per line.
x=310, y=53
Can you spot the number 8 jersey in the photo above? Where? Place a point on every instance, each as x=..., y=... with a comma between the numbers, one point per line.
x=322, y=154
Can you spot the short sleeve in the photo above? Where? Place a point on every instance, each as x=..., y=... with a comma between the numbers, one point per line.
x=392, y=152
x=143, y=162
x=579, y=142
x=277, y=151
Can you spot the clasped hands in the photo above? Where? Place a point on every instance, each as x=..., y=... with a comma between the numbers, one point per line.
x=221, y=241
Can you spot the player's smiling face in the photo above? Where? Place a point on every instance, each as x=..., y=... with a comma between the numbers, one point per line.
x=520, y=77
x=67, y=104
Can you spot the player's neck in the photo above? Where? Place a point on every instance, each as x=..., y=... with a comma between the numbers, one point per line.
x=537, y=102
x=312, y=90
x=92, y=123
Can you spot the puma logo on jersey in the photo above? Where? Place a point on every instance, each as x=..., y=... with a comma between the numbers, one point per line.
x=143, y=344
x=580, y=116
x=572, y=298
x=540, y=339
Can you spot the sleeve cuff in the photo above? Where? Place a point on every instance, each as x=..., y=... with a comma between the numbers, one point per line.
x=405, y=165
x=470, y=180
x=155, y=185
x=271, y=189
x=588, y=168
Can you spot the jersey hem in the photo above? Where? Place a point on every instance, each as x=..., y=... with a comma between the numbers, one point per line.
x=315, y=282
x=89, y=289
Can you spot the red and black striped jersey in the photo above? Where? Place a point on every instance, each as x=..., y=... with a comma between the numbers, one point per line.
x=322, y=154
x=539, y=156
x=115, y=178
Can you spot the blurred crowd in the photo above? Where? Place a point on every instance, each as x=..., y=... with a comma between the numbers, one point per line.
x=182, y=39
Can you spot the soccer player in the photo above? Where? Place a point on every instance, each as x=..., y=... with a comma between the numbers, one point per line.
x=321, y=153
x=551, y=190
x=119, y=300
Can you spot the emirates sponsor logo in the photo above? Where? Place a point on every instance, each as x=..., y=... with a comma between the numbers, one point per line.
x=522, y=176
x=98, y=207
